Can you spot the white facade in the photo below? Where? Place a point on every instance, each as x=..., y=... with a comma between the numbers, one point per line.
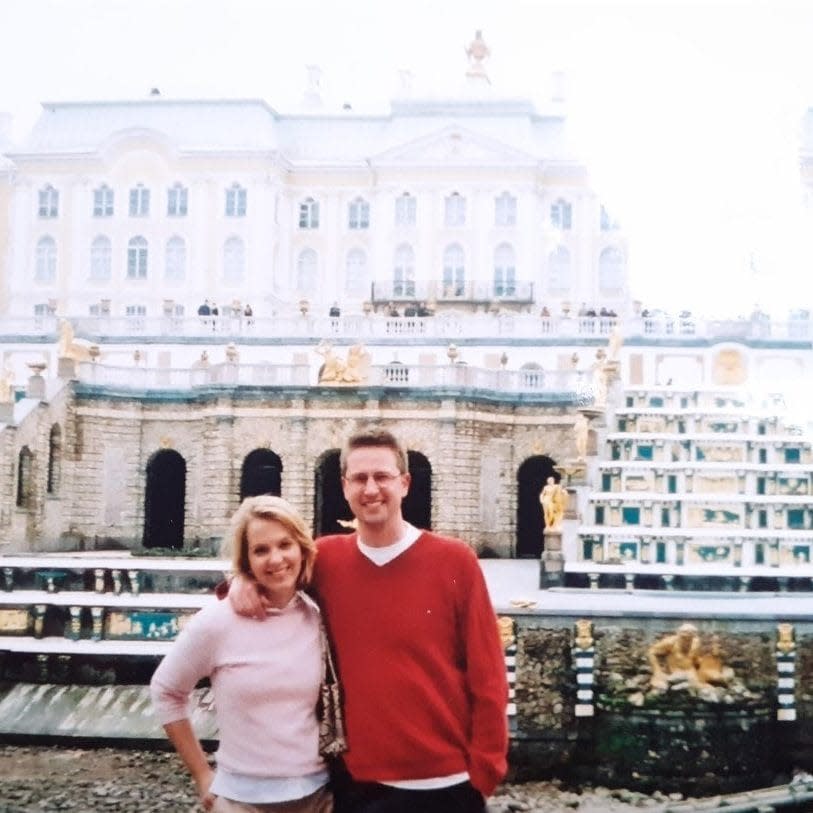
x=146, y=207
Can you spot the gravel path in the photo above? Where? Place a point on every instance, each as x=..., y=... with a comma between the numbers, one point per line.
x=38, y=778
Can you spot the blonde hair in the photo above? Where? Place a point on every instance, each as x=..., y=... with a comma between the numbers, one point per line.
x=235, y=545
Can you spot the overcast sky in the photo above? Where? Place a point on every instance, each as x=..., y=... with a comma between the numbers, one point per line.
x=687, y=113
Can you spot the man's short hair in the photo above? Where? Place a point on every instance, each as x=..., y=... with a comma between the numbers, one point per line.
x=374, y=436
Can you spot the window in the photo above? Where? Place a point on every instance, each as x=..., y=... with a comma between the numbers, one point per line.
x=666, y=517
x=54, y=459
x=309, y=214
x=306, y=272
x=101, y=258
x=454, y=272
x=234, y=260
x=505, y=210
x=175, y=259
x=137, y=258
x=139, y=201
x=505, y=282
x=606, y=482
x=177, y=197
x=561, y=214
x=630, y=515
x=611, y=271
x=42, y=309
x=135, y=310
x=793, y=455
x=355, y=283
x=45, y=266
x=358, y=214
x=48, y=202
x=644, y=452
x=103, y=201
x=607, y=223
x=24, y=484
x=403, y=276
x=559, y=270
x=235, y=201
x=455, y=212
x=599, y=515
x=405, y=210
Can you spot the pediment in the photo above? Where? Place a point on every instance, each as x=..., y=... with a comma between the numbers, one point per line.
x=454, y=146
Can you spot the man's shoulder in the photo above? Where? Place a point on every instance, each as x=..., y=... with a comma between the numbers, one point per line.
x=447, y=545
x=335, y=544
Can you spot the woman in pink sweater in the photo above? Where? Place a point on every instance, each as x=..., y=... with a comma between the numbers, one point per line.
x=265, y=676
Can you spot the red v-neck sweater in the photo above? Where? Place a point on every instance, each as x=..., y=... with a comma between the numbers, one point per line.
x=420, y=660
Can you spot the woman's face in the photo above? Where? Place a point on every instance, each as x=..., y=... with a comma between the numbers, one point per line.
x=274, y=559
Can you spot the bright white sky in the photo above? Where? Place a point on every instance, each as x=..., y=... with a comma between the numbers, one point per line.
x=687, y=113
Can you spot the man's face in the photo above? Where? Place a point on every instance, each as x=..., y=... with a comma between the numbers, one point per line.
x=373, y=486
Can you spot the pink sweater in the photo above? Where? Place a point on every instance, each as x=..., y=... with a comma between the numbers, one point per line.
x=265, y=679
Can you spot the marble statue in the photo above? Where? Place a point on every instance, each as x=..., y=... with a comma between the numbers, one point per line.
x=581, y=430
x=7, y=386
x=68, y=346
x=554, y=500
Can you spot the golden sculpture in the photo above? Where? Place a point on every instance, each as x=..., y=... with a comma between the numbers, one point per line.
x=353, y=370
x=505, y=628
x=7, y=385
x=710, y=668
x=554, y=501
x=584, y=633
x=785, y=643
x=68, y=346
x=674, y=658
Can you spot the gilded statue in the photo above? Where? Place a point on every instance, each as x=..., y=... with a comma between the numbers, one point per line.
x=68, y=346
x=352, y=370
x=554, y=501
x=7, y=385
x=674, y=658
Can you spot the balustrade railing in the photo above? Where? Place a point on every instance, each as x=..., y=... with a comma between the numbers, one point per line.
x=396, y=374
x=370, y=327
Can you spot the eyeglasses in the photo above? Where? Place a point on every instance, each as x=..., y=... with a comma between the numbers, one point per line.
x=380, y=478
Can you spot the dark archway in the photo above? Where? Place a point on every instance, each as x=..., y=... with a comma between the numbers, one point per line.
x=261, y=474
x=417, y=505
x=164, y=500
x=531, y=478
x=329, y=504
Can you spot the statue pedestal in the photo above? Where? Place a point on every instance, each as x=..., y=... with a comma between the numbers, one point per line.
x=66, y=367
x=552, y=563
x=7, y=412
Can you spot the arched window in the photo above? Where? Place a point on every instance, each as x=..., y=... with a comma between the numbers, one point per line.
x=139, y=201
x=505, y=210
x=54, y=459
x=561, y=215
x=48, y=202
x=103, y=201
x=355, y=283
x=611, y=271
x=455, y=210
x=405, y=210
x=309, y=214
x=236, y=198
x=137, y=258
x=454, y=271
x=505, y=278
x=403, y=278
x=559, y=270
x=176, y=259
x=306, y=272
x=234, y=260
x=101, y=258
x=25, y=491
x=177, y=199
x=45, y=267
x=358, y=214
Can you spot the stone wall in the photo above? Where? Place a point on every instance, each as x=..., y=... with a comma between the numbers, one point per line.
x=474, y=447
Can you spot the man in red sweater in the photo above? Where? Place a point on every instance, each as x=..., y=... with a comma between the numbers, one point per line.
x=417, y=646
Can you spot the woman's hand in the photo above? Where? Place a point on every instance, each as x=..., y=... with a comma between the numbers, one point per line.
x=246, y=598
x=203, y=783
